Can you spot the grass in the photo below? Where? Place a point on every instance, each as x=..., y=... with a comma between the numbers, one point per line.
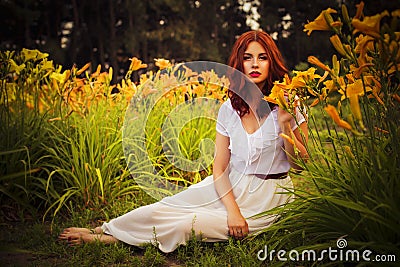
x=33, y=243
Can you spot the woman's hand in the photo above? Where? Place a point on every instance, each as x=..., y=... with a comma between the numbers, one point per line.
x=284, y=117
x=237, y=224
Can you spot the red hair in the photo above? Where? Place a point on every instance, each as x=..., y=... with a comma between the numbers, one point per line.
x=277, y=68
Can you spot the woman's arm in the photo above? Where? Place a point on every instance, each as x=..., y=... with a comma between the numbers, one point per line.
x=236, y=222
x=299, y=136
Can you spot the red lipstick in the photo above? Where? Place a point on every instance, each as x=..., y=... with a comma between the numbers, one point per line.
x=254, y=74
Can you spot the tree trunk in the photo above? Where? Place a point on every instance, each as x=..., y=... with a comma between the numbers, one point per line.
x=113, y=47
x=75, y=33
x=100, y=35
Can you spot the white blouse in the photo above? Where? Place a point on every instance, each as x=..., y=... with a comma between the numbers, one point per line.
x=261, y=152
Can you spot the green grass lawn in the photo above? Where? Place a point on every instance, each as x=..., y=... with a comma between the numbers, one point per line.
x=30, y=242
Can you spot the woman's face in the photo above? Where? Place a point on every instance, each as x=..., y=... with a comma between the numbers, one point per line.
x=256, y=64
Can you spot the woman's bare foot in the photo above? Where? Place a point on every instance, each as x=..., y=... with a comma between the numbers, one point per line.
x=73, y=231
x=76, y=230
x=78, y=238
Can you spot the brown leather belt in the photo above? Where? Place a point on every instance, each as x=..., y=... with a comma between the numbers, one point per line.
x=281, y=175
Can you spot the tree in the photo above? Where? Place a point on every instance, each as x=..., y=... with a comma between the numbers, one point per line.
x=109, y=32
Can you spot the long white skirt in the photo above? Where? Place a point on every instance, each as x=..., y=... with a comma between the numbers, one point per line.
x=171, y=221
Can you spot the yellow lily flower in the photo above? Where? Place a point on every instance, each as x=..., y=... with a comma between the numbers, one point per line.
x=285, y=84
x=60, y=77
x=281, y=100
x=14, y=67
x=330, y=85
x=273, y=96
x=308, y=74
x=47, y=64
x=332, y=112
x=320, y=23
x=370, y=25
x=162, y=63
x=199, y=89
x=356, y=88
x=298, y=82
x=277, y=96
x=136, y=64
x=301, y=78
x=28, y=54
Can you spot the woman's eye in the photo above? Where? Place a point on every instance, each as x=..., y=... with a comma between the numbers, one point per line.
x=263, y=57
x=247, y=57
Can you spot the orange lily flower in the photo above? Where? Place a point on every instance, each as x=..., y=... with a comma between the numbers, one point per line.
x=320, y=23
x=359, y=11
x=357, y=71
x=80, y=71
x=285, y=136
x=162, y=63
x=332, y=112
x=315, y=61
x=370, y=25
x=136, y=64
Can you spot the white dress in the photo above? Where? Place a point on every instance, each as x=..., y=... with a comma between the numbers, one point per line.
x=171, y=221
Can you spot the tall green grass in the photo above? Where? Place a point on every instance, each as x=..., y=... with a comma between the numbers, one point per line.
x=85, y=161
x=22, y=129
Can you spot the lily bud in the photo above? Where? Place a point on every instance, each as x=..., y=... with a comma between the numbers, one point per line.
x=345, y=14
x=337, y=43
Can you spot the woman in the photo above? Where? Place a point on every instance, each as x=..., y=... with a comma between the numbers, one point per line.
x=250, y=168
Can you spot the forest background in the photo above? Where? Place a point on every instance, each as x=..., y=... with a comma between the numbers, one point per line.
x=110, y=32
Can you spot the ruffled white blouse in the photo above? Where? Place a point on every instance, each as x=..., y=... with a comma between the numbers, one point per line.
x=261, y=152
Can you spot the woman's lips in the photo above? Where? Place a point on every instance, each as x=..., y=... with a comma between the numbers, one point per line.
x=254, y=74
